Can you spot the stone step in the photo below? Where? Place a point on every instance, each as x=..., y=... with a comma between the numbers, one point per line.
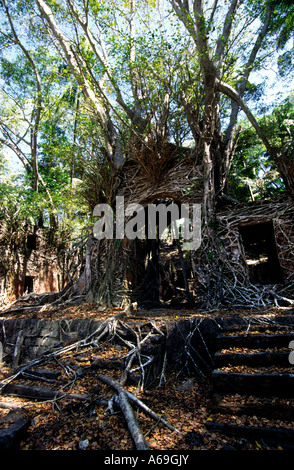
x=259, y=385
x=258, y=359
x=278, y=437
x=280, y=323
x=264, y=384
x=261, y=322
x=272, y=409
x=255, y=341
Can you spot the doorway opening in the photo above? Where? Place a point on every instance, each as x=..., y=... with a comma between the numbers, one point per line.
x=28, y=284
x=161, y=271
x=261, y=253
x=31, y=242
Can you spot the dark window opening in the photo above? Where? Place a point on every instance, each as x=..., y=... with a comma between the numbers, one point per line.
x=31, y=242
x=261, y=253
x=28, y=284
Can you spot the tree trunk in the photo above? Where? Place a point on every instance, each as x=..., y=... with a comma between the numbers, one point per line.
x=285, y=165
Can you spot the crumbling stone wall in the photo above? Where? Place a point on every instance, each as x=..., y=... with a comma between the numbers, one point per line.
x=188, y=344
x=38, y=336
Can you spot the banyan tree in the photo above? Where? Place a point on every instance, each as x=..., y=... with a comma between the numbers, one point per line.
x=163, y=86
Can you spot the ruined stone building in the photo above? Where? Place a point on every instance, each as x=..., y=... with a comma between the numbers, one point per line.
x=258, y=238
x=256, y=253
x=255, y=243
x=28, y=261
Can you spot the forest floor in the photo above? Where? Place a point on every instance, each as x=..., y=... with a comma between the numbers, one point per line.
x=185, y=402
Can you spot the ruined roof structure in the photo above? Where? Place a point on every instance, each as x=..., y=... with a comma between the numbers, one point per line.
x=258, y=238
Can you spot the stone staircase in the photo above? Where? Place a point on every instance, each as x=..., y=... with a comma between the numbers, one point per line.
x=253, y=383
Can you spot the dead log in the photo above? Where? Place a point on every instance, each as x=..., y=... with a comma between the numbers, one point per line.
x=131, y=420
x=151, y=413
x=135, y=431
x=38, y=393
x=45, y=375
x=139, y=403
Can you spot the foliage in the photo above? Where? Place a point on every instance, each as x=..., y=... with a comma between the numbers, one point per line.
x=254, y=174
x=18, y=200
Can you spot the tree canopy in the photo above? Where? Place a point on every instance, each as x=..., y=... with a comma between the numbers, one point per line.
x=88, y=85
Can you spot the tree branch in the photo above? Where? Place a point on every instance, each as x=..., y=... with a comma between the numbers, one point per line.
x=234, y=95
x=128, y=412
x=201, y=40
x=117, y=387
x=232, y=130
x=103, y=61
x=225, y=34
x=38, y=108
x=71, y=61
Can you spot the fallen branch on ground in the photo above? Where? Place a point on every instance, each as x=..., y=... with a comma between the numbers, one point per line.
x=38, y=393
x=118, y=387
x=131, y=420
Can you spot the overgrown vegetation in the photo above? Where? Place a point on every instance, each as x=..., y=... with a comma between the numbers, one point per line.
x=88, y=87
